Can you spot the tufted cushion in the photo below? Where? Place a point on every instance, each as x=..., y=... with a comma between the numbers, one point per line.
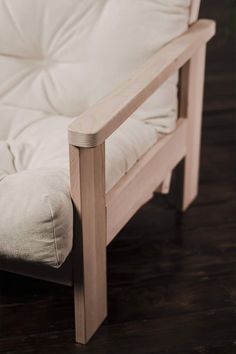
x=58, y=57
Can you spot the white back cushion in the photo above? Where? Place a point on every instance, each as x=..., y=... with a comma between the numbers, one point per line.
x=61, y=56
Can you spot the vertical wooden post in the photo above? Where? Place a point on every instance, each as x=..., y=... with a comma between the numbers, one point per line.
x=87, y=168
x=191, y=100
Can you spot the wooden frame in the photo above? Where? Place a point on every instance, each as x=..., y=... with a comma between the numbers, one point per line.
x=98, y=216
x=87, y=168
x=87, y=136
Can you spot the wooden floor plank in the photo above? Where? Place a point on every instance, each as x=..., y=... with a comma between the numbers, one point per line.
x=186, y=334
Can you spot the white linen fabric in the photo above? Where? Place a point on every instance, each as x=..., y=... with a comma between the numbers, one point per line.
x=58, y=57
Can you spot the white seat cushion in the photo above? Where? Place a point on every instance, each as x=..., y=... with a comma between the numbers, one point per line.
x=58, y=57
x=36, y=214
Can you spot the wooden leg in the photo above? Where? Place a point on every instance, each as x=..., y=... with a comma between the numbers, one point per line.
x=165, y=187
x=88, y=193
x=192, y=85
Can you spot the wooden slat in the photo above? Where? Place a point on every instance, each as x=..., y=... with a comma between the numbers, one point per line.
x=135, y=188
x=99, y=121
x=192, y=85
x=88, y=194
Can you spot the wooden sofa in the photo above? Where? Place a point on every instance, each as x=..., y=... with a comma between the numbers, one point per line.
x=99, y=216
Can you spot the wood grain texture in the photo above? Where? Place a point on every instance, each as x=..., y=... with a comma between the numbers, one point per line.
x=99, y=121
x=88, y=194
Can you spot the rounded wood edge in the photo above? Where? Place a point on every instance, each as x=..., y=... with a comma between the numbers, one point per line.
x=85, y=140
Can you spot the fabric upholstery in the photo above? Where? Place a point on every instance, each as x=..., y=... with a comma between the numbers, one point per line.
x=58, y=57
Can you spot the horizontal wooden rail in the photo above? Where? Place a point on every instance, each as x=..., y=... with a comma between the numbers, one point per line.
x=131, y=192
x=100, y=120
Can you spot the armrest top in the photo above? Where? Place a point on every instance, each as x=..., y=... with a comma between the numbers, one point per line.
x=93, y=126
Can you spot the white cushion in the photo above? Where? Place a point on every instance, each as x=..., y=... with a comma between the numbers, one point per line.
x=58, y=57
x=36, y=214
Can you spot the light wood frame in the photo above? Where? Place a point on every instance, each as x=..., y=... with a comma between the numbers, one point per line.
x=103, y=214
x=99, y=216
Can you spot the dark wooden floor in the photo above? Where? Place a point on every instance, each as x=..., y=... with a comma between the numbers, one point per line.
x=172, y=281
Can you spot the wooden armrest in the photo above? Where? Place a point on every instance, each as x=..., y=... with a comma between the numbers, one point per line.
x=102, y=119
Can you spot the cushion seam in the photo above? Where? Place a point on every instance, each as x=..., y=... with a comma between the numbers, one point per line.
x=51, y=114
x=54, y=235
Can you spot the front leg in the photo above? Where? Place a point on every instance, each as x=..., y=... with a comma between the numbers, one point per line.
x=87, y=166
